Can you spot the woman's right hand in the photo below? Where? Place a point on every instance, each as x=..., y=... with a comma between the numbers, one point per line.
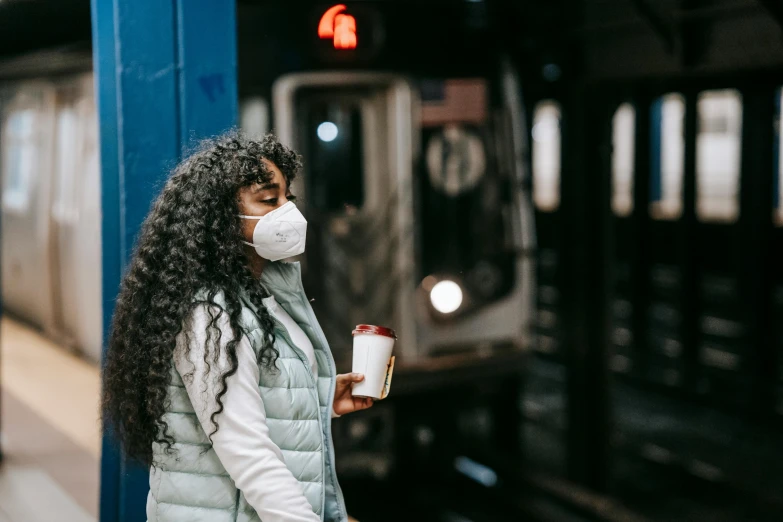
x=344, y=401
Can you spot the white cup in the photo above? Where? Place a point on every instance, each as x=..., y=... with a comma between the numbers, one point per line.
x=372, y=349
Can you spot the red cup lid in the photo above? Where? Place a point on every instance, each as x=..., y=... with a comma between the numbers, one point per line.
x=372, y=329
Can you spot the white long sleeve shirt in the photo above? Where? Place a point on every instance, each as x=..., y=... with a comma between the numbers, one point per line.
x=242, y=443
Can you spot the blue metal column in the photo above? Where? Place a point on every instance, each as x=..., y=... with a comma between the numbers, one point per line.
x=165, y=74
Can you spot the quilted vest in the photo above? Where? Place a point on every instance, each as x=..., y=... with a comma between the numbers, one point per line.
x=191, y=485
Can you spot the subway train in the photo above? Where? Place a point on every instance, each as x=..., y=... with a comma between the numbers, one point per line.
x=695, y=393
x=415, y=180
x=717, y=191
x=51, y=217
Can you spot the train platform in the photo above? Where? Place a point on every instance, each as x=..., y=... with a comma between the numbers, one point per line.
x=51, y=434
x=51, y=431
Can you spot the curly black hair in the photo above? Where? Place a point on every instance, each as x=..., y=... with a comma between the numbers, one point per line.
x=190, y=246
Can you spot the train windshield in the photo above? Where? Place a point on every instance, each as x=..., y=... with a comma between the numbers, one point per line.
x=335, y=152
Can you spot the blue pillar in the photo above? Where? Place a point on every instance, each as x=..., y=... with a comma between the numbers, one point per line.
x=165, y=75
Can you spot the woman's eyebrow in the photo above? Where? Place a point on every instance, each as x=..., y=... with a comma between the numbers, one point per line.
x=265, y=186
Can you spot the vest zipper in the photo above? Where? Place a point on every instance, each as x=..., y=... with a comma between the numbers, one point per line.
x=330, y=396
x=313, y=380
x=333, y=372
x=303, y=358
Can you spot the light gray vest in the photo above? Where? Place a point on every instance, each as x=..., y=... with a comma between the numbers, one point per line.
x=192, y=485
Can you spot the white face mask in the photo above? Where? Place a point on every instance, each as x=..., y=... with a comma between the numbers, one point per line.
x=280, y=233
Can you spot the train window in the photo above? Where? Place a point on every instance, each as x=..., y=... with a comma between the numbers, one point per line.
x=667, y=156
x=718, y=155
x=546, y=155
x=778, y=164
x=254, y=116
x=19, y=157
x=623, y=126
x=67, y=138
x=335, y=180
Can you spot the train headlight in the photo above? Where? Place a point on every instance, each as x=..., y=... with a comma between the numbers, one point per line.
x=446, y=296
x=327, y=131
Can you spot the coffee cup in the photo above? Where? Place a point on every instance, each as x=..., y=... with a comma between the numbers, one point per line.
x=372, y=357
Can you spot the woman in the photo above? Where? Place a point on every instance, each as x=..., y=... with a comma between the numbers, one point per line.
x=218, y=374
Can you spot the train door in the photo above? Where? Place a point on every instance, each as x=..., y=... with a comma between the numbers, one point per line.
x=474, y=216
x=75, y=220
x=691, y=352
x=27, y=139
x=649, y=141
x=355, y=133
x=546, y=403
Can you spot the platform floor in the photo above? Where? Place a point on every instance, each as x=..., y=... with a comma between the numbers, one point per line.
x=50, y=430
x=50, y=435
